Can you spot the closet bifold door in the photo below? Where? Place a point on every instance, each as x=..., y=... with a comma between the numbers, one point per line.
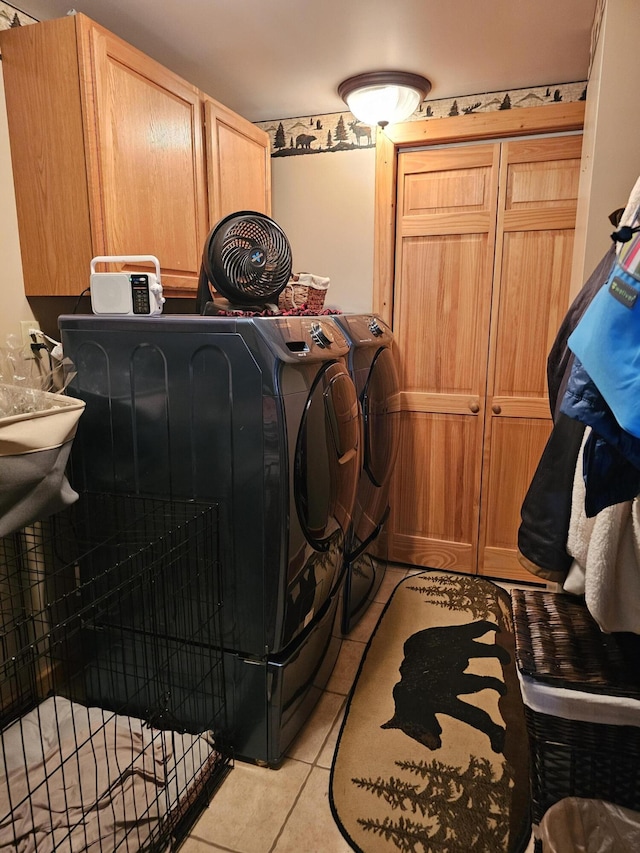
x=446, y=230
x=534, y=248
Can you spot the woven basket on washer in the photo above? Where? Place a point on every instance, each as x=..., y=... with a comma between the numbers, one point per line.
x=558, y=644
x=304, y=290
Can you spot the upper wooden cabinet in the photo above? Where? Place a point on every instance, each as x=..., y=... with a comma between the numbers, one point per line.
x=109, y=158
x=239, y=173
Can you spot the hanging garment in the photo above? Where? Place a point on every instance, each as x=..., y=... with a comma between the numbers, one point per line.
x=611, y=465
x=606, y=550
x=560, y=357
x=546, y=509
x=607, y=339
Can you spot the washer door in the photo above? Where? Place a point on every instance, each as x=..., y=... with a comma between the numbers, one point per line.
x=380, y=423
x=327, y=460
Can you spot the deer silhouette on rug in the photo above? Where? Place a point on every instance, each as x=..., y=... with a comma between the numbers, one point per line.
x=432, y=675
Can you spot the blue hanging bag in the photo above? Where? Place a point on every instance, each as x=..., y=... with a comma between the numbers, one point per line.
x=607, y=339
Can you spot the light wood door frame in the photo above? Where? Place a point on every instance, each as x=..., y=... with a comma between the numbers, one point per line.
x=500, y=126
x=551, y=118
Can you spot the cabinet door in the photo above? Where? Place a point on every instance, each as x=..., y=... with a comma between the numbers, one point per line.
x=444, y=265
x=238, y=163
x=46, y=131
x=145, y=157
x=536, y=220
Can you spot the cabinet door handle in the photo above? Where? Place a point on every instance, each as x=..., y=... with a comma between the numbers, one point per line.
x=496, y=409
x=474, y=407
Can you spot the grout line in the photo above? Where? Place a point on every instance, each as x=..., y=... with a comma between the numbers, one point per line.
x=331, y=727
x=293, y=805
x=208, y=843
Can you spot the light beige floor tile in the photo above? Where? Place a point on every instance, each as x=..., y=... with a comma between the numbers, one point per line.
x=314, y=733
x=418, y=570
x=325, y=759
x=196, y=845
x=247, y=812
x=391, y=579
x=346, y=667
x=310, y=826
x=365, y=627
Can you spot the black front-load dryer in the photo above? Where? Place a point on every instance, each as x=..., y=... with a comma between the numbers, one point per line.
x=259, y=414
x=373, y=370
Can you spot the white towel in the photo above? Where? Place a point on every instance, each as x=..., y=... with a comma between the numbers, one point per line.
x=606, y=549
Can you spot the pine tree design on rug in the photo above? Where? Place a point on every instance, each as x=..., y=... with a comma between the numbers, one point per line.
x=437, y=674
x=464, y=593
x=449, y=794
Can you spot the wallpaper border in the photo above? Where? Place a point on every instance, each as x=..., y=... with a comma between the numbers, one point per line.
x=334, y=132
x=327, y=134
x=12, y=17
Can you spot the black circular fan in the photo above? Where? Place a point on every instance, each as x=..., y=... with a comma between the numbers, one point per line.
x=247, y=259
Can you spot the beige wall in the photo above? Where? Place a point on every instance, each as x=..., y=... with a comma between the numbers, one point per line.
x=324, y=203
x=611, y=147
x=14, y=304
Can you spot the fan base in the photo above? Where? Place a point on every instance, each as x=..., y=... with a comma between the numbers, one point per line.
x=223, y=306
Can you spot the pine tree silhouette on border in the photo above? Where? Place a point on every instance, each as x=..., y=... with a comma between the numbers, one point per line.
x=461, y=593
x=451, y=801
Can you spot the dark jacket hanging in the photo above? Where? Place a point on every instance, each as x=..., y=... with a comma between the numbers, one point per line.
x=546, y=509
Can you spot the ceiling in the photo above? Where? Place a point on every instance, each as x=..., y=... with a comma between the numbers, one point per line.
x=271, y=59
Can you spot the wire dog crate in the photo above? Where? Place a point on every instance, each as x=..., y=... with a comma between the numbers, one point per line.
x=112, y=701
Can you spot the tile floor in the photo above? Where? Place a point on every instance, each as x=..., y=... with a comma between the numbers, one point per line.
x=258, y=810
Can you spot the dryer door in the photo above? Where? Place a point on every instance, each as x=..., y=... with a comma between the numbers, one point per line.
x=380, y=418
x=327, y=460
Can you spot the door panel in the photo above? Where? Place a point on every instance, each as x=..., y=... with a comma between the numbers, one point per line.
x=512, y=449
x=483, y=260
x=529, y=316
x=543, y=173
x=534, y=250
x=446, y=319
x=441, y=323
x=433, y=505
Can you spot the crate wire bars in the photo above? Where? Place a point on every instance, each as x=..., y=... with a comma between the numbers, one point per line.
x=112, y=701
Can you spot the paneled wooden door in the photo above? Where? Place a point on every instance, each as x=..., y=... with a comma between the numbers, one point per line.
x=534, y=249
x=442, y=298
x=482, y=275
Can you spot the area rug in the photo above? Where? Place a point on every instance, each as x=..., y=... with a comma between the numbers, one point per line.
x=432, y=756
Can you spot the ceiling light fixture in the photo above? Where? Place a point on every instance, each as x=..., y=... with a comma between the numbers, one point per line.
x=384, y=97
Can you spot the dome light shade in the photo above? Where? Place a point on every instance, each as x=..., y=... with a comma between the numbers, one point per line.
x=384, y=97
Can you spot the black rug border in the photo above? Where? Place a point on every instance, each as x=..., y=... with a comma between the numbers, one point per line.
x=523, y=842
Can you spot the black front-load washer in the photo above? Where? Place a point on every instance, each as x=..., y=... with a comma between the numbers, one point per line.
x=260, y=415
x=372, y=366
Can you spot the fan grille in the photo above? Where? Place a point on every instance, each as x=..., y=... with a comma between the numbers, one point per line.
x=248, y=258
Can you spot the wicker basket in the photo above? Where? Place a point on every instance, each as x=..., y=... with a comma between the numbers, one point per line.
x=304, y=290
x=558, y=644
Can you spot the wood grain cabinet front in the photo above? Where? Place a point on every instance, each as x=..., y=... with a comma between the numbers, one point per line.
x=483, y=263
x=238, y=163
x=108, y=156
